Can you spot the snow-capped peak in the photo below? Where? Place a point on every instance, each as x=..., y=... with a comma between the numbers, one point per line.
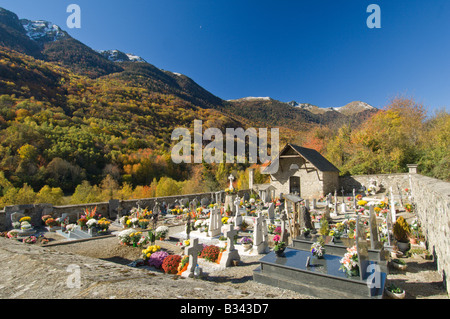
x=42, y=30
x=119, y=56
x=252, y=98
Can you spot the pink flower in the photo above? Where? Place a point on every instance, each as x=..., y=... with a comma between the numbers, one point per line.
x=276, y=238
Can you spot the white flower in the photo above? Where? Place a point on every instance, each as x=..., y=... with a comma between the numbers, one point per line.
x=71, y=227
x=91, y=223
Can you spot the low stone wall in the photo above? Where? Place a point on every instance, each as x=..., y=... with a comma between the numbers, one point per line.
x=384, y=180
x=432, y=199
x=105, y=209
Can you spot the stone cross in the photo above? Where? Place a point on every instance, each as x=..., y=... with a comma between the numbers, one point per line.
x=329, y=199
x=392, y=204
x=284, y=235
x=231, y=178
x=354, y=199
x=215, y=223
x=230, y=253
x=192, y=251
x=259, y=238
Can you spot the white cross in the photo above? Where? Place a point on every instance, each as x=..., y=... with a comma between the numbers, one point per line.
x=231, y=178
x=230, y=233
x=192, y=251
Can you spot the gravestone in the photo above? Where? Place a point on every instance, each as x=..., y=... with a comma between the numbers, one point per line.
x=307, y=203
x=192, y=251
x=354, y=199
x=284, y=234
x=184, y=202
x=113, y=208
x=329, y=200
x=374, y=239
x=15, y=217
x=204, y=201
x=259, y=237
x=230, y=253
x=238, y=217
x=361, y=248
x=246, y=197
x=305, y=218
x=389, y=228
x=215, y=223
x=271, y=212
x=314, y=203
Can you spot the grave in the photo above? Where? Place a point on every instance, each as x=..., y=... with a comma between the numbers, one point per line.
x=322, y=278
x=192, y=251
x=215, y=223
x=230, y=253
x=260, y=243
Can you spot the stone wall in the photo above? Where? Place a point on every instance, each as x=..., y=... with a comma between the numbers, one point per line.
x=105, y=209
x=385, y=180
x=432, y=199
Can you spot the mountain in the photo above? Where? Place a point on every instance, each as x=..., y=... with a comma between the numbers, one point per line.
x=355, y=108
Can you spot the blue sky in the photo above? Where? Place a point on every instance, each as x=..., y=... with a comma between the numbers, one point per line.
x=318, y=52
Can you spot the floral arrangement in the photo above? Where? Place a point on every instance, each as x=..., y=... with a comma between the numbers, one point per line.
x=12, y=233
x=171, y=263
x=162, y=232
x=317, y=249
x=147, y=252
x=408, y=208
x=362, y=203
x=25, y=225
x=16, y=225
x=51, y=222
x=183, y=263
x=210, y=253
x=82, y=222
x=349, y=263
x=30, y=240
x=230, y=191
x=25, y=219
x=246, y=240
x=90, y=214
x=277, y=230
x=225, y=220
x=71, y=227
x=125, y=236
x=143, y=223
x=45, y=217
x=103, y=224
x=156, y=259
x=271, y=228
x=279, y=245
x=359, y=197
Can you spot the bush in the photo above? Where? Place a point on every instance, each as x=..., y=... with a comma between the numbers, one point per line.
x=210, y=253
x=401, y=230
x=170, y=264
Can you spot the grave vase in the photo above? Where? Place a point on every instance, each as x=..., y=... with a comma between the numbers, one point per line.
x=352, y=273
x=280, y=252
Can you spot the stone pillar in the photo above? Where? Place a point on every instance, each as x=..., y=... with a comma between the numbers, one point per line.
x=412, y=168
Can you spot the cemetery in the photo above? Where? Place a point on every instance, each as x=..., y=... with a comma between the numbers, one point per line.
x=352, y=245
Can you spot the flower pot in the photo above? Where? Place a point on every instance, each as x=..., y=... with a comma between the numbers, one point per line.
x=280, y=252
x=394, y=295
x=403, y=247
x=398, y=266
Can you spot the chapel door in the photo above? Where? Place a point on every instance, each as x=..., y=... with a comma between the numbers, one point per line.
x=294, y=185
